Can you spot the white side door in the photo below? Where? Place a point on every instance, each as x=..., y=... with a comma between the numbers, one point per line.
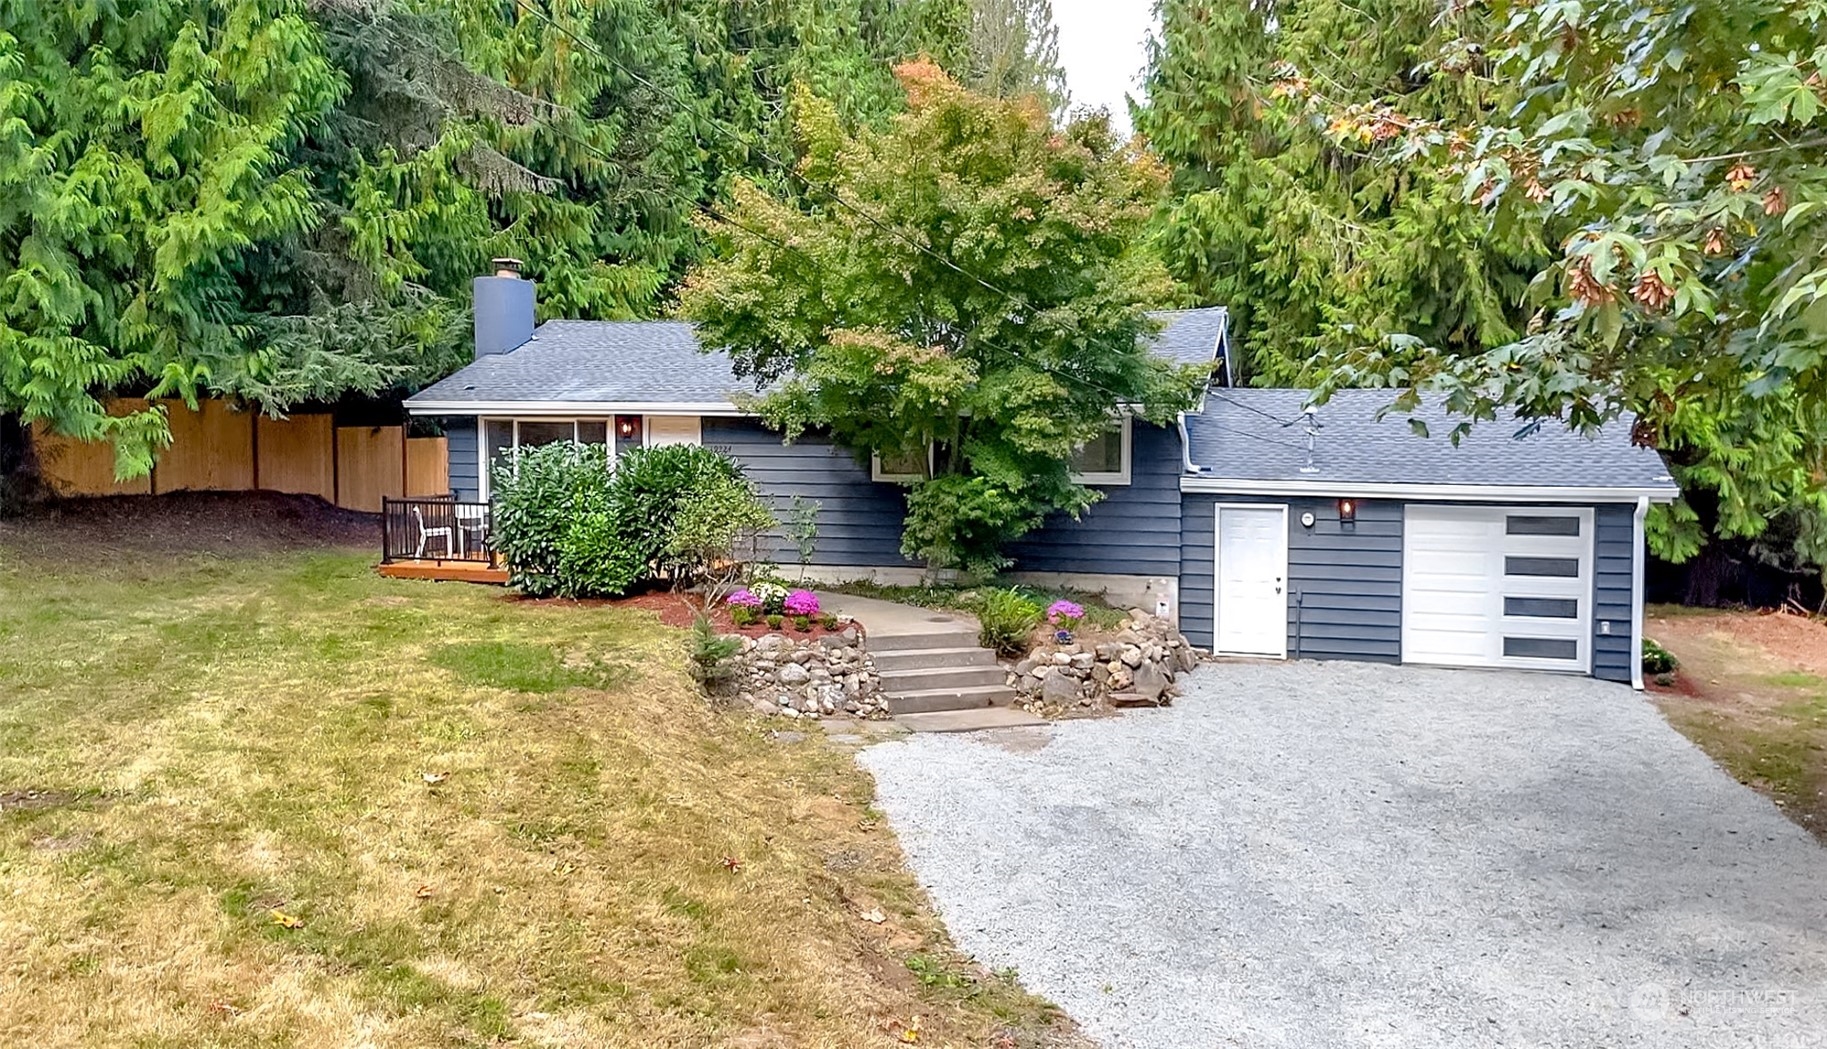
x=1252, y=581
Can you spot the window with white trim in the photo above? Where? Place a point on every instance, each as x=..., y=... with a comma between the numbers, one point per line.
x=1105, y=459
x=901, y=468
x=504, y=438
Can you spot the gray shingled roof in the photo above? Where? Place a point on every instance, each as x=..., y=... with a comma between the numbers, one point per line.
x=1190, y=336
x=611, y=362
x=1260, y=435
x=658, y=362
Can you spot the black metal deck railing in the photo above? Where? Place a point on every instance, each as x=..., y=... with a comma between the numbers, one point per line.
x=440, y=529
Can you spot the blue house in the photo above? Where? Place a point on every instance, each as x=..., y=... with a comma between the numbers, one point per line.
x=1265, y=528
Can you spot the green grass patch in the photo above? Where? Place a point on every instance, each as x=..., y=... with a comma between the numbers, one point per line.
x=517, y=666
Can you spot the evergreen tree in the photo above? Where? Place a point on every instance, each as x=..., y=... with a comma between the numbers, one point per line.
x=1311, y=243
x=282, y=201
x=143, y=150
x=1014, y=52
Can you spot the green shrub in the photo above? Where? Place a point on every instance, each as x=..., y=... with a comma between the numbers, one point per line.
x=803, y=624
x=570, y=523
x=1006, y=620
x=1658, y=661
x=554, y=524
x=774, y=620
x=717, y=531
x=742, y=615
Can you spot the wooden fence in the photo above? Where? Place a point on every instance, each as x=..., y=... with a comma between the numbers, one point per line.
x=221, y=449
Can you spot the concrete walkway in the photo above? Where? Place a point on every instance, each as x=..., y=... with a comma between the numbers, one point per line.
x=888, y=619
x=936, y=676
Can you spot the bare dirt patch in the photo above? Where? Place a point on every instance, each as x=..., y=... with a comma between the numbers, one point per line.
x=186, y=523
x=1752, y=693
x=35, y=800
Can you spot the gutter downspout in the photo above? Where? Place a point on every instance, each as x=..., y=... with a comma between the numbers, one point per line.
x=1186, y=445
x=1637, y=555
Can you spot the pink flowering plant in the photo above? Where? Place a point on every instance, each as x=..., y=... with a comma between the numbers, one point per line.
x=745, y=598
x=1064, y=615
x=801, y=603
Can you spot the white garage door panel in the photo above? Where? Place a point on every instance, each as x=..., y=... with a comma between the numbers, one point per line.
x=1494, y=586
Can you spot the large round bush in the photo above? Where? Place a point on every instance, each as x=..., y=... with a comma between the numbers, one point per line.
x=570, y=522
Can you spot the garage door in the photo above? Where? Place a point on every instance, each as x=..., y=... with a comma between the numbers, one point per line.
x=1497, y=587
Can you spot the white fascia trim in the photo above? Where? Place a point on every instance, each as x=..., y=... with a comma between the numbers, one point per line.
x=1470, y=493
x=536, y=409
x=1637, y=546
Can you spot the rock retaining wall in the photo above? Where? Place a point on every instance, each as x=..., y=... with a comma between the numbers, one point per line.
x=805, y=678
x=1135, y=666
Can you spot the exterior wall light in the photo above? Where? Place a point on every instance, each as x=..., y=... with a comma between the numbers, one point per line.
x=1348, y=511
x=626, y=426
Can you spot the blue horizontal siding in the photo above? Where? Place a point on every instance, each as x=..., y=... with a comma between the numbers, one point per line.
x=1344, y=581
x=1612, y=580
x=1133, y=530
x=462, y=442
x=859, y=520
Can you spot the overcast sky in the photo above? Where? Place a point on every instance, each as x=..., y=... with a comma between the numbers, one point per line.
x=1100, y=44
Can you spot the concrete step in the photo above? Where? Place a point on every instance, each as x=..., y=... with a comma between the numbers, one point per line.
x=942, y=638
x=925, y=679
x=928, y=700
x=924, y=658
x=970, y=720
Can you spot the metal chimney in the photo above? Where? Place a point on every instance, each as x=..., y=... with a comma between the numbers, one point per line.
x=504, y=306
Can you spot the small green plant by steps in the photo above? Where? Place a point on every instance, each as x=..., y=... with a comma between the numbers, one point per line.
x=1006, y=620
x=709, y=653
x=1658, y=661
x=802, y=529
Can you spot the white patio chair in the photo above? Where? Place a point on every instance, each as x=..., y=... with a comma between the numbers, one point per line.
x=472, y=528
x=426, y=535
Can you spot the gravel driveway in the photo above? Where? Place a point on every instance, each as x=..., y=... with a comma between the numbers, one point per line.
x=1327, y=854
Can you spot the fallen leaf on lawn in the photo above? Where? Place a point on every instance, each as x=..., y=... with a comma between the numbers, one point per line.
x=423, y=892
x=284, y=920
x=432, y=779
x=873, y=916
x=732, y=864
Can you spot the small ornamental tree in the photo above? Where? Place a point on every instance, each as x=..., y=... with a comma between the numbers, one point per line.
x=971, y=279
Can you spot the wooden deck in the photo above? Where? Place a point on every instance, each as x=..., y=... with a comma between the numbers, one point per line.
x=446, y=571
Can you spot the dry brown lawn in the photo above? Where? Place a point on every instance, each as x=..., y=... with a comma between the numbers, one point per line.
x=261, y=797
x=1752, y=693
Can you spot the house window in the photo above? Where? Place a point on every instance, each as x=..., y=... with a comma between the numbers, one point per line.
x=1104, y=459
x=901, y=467
x=502, y=438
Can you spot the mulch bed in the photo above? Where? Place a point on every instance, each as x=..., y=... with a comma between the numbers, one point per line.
x=678, y=610
x=187, y=522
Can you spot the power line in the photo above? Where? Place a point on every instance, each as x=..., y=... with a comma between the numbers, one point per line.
x=1253, y=436
x=1252, y=408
